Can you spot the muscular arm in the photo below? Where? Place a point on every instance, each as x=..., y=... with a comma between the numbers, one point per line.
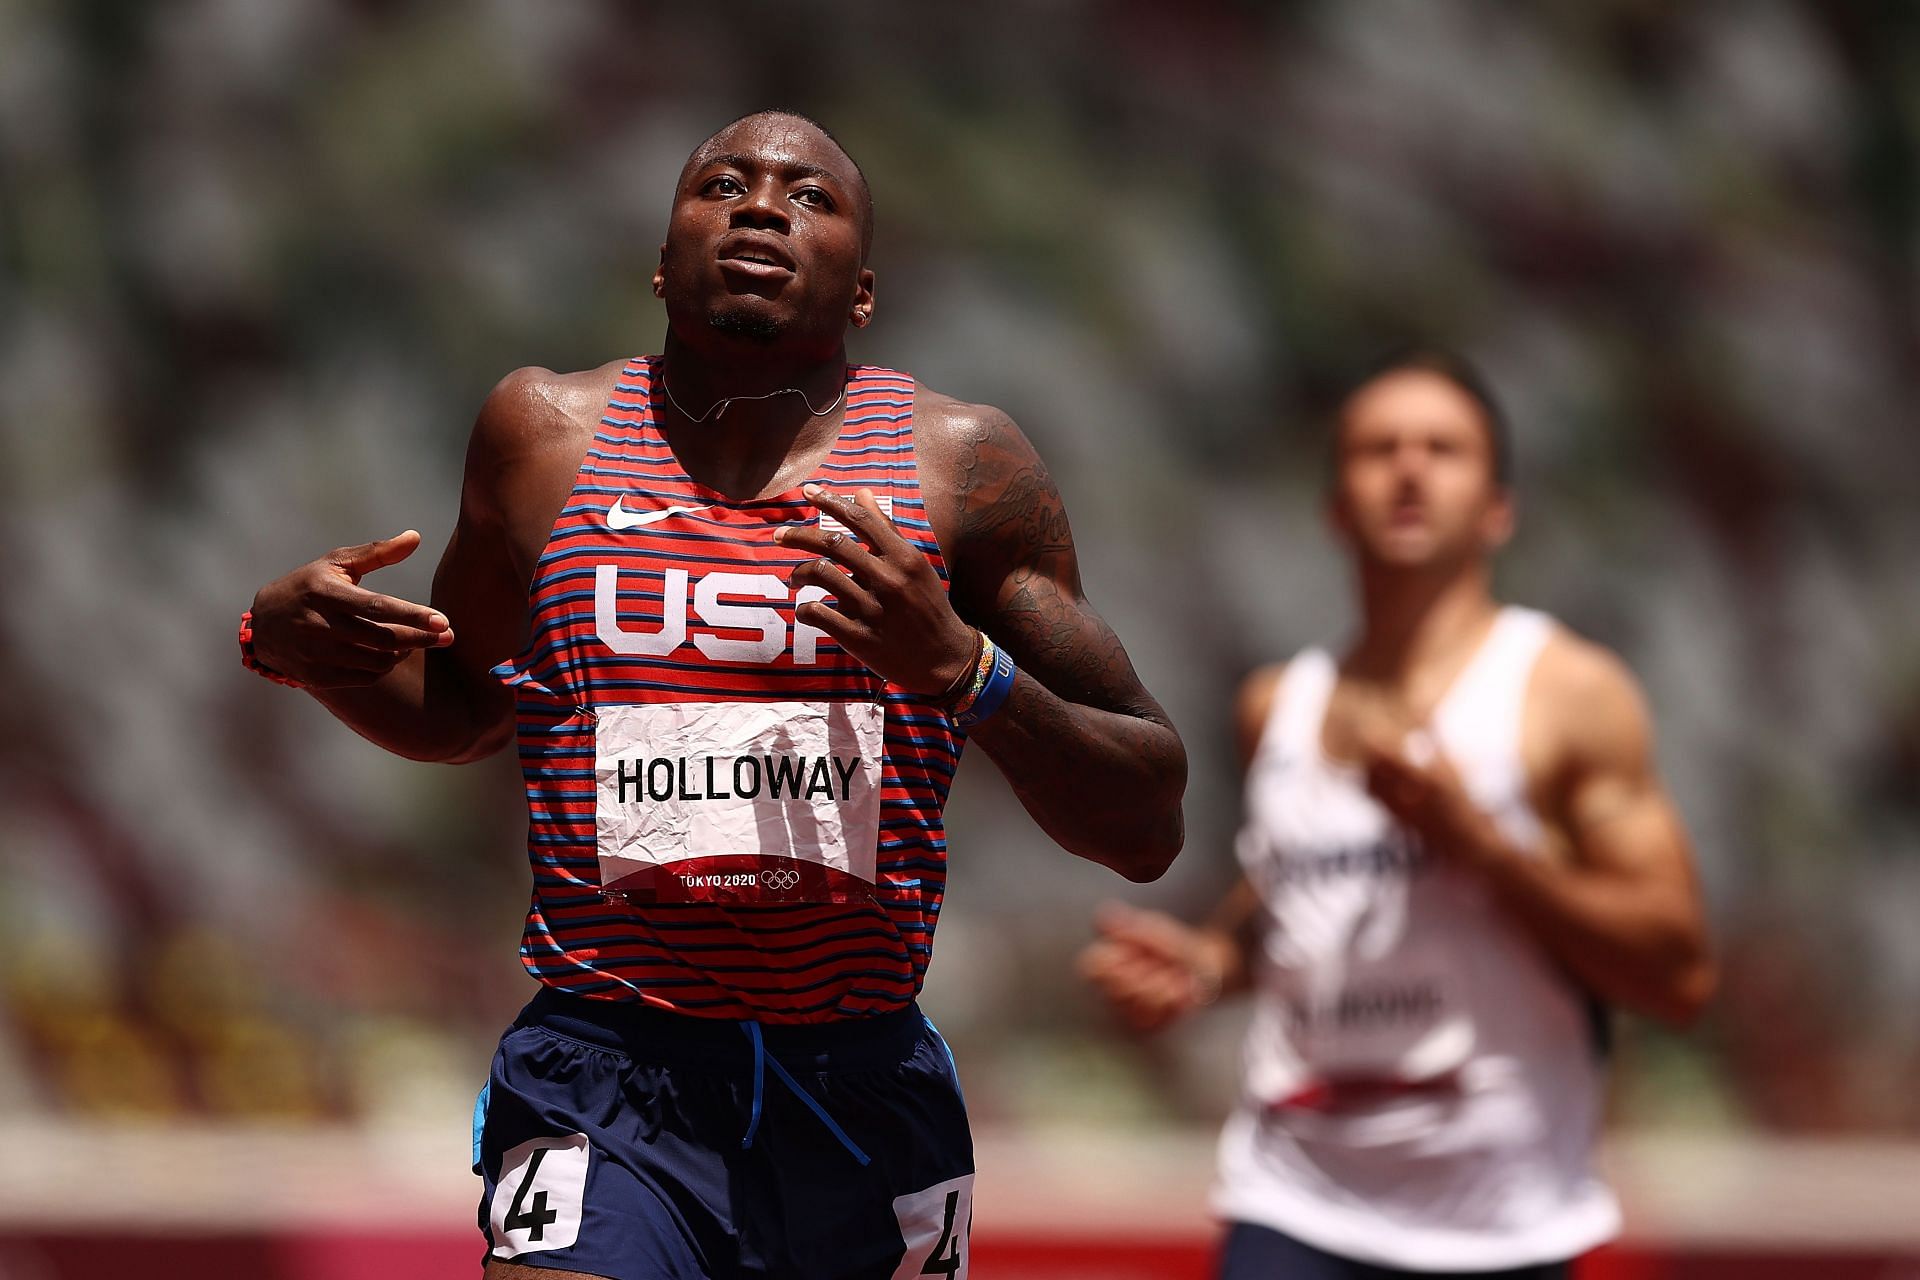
x=1622, y=911
x=1086, y=748
x=1619, y=906
x=440, y=703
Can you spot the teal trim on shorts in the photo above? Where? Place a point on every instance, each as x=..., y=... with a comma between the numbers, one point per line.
x=480, y=1121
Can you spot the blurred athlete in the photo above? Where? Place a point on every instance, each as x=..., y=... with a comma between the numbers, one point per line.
x=740, y=604
x=1455, y=849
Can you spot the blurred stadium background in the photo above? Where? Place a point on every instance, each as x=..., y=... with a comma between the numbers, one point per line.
x=259, y=263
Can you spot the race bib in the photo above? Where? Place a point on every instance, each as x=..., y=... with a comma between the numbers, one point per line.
x=738, y=801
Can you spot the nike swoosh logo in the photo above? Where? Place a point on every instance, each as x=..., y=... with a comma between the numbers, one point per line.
x=619, y=518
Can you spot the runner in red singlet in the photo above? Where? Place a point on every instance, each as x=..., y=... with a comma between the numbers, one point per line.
x=740, y=605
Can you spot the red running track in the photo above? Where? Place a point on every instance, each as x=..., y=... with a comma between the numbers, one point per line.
x=441, y=1256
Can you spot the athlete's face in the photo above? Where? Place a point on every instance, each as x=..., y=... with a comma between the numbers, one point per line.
x=766, y=239
x=1414, y=481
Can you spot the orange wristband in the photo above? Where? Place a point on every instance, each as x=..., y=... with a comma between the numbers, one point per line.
x=254, y=664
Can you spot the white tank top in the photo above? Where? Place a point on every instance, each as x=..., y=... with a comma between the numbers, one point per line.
x=1422, y=1082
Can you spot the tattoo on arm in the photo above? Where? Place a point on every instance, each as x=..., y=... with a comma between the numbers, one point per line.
x=1086, y=748
x=1027, y=578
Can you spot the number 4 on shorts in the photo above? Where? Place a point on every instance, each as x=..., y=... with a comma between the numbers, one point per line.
x=934, y=1224
x=536, y=1220
x=945, y=1258
x=536, y=1202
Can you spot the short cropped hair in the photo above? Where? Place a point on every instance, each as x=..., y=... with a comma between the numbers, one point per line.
x=1456, y=369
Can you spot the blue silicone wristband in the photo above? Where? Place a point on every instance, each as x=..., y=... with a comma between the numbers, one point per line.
x=999, y=684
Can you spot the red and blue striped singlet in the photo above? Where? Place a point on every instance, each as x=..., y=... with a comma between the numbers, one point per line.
x=728, y=816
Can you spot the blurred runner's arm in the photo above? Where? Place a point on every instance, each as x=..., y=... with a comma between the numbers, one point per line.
x=1152, y=967
x=1621, y=910
x=413, y=678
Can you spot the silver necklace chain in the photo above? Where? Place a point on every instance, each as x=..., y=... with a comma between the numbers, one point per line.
x=718, y=409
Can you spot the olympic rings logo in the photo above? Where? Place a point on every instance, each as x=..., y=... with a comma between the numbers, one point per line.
x=780, y=879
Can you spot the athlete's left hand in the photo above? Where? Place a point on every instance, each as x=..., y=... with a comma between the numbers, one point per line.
x=889, y=608
x=1424, y=793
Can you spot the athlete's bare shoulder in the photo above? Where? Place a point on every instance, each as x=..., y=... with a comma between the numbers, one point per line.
x=1584, y=706
x=533, y=410
x=527, y=445
x=989, y=495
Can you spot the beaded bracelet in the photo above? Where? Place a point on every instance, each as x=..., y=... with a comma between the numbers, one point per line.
x=254, y=664
x=967, y=688
x=954, y=693
x=993, y=681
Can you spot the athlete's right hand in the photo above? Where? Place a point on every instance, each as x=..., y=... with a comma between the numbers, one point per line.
x=319, y=626
x=1151, y=967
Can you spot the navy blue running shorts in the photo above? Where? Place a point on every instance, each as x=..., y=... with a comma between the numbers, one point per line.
x=624, y=1141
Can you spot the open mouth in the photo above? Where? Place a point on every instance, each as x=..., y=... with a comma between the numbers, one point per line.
x=755, y=255
x=760, y=270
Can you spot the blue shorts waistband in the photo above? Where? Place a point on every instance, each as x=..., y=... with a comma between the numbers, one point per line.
x=647, y=1034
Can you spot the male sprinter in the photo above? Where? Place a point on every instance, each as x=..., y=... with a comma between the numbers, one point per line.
x=1455, y=844
x=740, y=604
